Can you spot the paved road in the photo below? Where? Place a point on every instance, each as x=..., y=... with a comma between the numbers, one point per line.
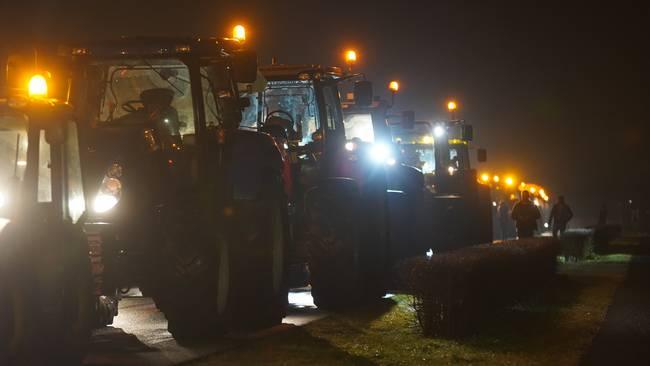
x=139, y=335
x=624, y=338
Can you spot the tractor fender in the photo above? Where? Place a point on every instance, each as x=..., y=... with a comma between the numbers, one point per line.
x=332, y=188
x=257, y=164
x=406, y=179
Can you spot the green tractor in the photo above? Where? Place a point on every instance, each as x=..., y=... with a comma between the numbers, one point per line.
x=462, y=205
x=168, y=193
x=337, y=191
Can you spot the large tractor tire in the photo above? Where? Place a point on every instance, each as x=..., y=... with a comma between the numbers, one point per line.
x=16, y=333
x=47, y=319
x=238, y=283
x=348, y=265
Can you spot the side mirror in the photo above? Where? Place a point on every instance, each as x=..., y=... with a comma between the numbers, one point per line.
x=363, y=93
x=481, y=155
x=467, y=132
x=408, y=119
x=244, y=66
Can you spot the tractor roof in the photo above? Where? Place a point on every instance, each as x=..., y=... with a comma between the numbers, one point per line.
x=300, y=72
x=154, y=47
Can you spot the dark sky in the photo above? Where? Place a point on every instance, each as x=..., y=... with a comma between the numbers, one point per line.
x=558, y=92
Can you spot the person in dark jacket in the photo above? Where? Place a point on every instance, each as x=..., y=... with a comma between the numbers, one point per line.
x=560, y=216
x=525, y=214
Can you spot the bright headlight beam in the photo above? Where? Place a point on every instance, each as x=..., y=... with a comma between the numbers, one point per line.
x=104, y=202
x=438, y=131
x=380, y=153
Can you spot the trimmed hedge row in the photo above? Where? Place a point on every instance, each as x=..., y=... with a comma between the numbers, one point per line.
x=453, y=291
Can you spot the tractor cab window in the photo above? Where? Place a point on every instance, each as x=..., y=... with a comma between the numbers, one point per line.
x=359, y=126
x=332, y=107
x=217, y=89
x=13, y=160
x=44, y=169
x=416, y=146
x=154, y=92
x=294, y=101
x=458, y=155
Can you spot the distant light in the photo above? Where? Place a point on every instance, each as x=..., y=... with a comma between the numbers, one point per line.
x=451, y=170
x=438, y=131
x=430, y=253
x=351, y=56
x=349, y=146
x=496, y=179
x=532, y=190
x=536, y=202
x=21, y=163
x=510, y=181
x=546, y=225
x=427, y=139
x=37, y=86
x=239, y=32
x=393, y=86
x=451, y=106
x=485, y=177
x=630, y=202
x=494, y=203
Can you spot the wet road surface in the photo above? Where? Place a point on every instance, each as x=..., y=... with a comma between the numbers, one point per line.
x=139, y=335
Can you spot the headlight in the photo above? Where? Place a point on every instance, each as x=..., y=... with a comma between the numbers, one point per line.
x=110, y=191
x=104, y=202
x=439, y=131
x=379, y=152
x=382, y=154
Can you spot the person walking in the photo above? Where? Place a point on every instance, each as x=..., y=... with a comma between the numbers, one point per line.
x=525, y=214
x=503, y=213
x=560, y=216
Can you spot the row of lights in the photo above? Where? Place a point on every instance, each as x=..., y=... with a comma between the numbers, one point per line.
x=239, y=33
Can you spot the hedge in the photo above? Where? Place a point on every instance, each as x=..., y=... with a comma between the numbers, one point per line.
x=452, y=292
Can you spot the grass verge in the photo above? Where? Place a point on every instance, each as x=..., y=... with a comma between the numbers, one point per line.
x=553, y=328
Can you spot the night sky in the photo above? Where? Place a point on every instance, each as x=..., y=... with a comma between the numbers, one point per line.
x=558, y=93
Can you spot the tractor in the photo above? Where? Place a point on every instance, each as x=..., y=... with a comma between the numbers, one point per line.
x=169, y=194
x=463, y=206
x=337, y=191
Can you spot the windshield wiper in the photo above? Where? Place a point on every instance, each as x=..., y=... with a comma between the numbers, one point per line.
x=162, y=77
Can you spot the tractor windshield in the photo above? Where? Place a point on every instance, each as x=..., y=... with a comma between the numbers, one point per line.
x=13, y=160
x=291, y=100
x=416, y=146
x=135, y=91
x=359, y=126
